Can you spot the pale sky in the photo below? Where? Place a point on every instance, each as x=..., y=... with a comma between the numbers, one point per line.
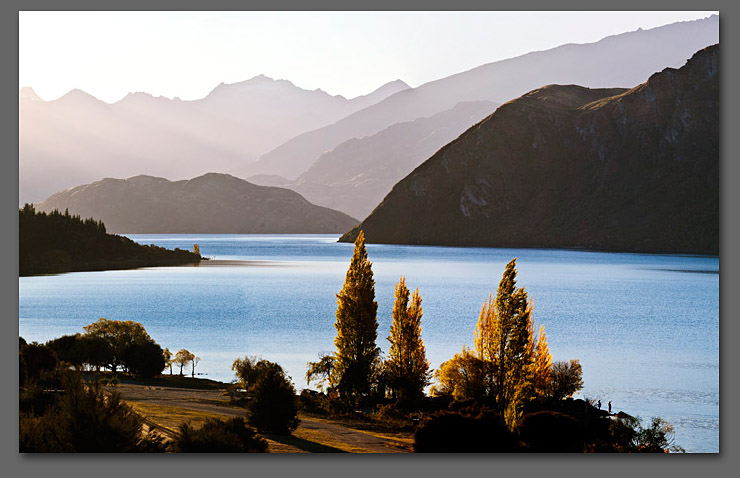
x=187, y=54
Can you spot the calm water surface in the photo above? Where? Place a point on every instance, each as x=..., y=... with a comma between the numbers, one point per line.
x=645, y=327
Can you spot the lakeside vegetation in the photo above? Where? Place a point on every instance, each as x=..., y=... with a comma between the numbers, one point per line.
x=503, y=395
x=59, y=242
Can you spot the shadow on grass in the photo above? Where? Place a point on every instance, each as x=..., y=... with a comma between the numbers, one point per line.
x=302, y=444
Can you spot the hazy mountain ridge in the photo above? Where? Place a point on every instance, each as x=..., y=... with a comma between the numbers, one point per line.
x=568, y=166
x=78, y=138
x=211, y=204
x=356, y=175
x=619, y=60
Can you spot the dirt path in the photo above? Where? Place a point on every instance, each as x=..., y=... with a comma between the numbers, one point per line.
x=306, y=439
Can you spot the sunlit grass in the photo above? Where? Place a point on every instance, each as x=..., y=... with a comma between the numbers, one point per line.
x=170, y=417
x=302, y=440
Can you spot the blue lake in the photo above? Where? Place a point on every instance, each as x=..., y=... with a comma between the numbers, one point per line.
x=645, y=327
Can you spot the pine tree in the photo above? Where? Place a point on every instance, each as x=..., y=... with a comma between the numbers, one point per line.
x=357, y=328
x=407, y=369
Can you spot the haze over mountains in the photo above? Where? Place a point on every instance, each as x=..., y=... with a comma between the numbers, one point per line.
x=620, y=60
x=356, y=175
x=212, y=203
x=339, y=153
x=78, y=139
x=567, y=166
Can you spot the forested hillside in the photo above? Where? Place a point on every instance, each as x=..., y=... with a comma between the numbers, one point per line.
x=59, y=242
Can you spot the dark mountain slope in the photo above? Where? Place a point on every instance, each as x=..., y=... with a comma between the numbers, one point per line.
x=567, y=166
x=212, y=203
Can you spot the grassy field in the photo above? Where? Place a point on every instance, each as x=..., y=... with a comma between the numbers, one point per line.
x=167, y=402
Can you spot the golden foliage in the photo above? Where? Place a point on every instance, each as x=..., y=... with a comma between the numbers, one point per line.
x=407, y=369
x=357, y=355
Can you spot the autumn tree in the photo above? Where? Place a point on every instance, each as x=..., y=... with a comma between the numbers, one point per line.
x=194, y=361
x=565, y=379
x=516, y=364
x=182, y=358
x=120, y=335
x=542, y=364
x=462, y=377
x=320, y=371
x=357, y=356
x=167, y=359
x=407, y=369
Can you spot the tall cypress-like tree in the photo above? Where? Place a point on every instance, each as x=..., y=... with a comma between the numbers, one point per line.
x=407, y=369
x=357, y=328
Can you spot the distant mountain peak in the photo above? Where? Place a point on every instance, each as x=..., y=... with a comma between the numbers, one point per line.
x=27, y=93
x=78, y=95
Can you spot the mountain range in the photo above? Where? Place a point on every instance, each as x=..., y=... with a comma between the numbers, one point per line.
x=78, y=138
x=565, y=166
x=356, y=175
x=272, y=127
x=209, y=204
x=622, y=60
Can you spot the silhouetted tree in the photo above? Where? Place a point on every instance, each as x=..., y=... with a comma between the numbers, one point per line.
x=38, y=358
x=145, y=359
x=120, y=335
x=273, y=407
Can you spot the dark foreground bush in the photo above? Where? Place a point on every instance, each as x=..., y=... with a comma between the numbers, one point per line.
x=547, y=432
x=447, y=432
x=218, y=436
x=273, y=407
x=85, y=419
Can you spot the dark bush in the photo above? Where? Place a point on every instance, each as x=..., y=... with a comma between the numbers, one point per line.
x=547, y=432
x=145, y=359
x=38, y=358
x=86, y=419
x=218, y=436
x=312, y=401
x=273, y=407
x=63, y=347
x=447, y=432
x=93, y=351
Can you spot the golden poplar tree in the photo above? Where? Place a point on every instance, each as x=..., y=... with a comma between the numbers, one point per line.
x=357, y=328
x=542, y=364
x=513, y=362
x=407, y=369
